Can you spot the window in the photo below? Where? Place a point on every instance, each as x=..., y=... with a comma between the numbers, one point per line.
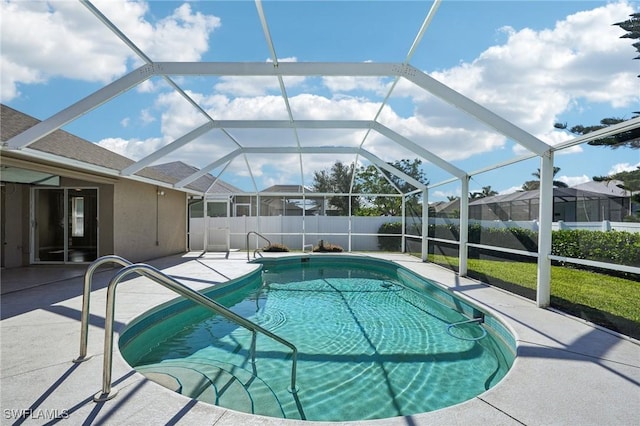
x=77, y=216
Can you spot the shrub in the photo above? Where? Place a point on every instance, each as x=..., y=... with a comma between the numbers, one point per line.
x=388, y=243
x=323, y=247
x=618, y=247
x=276, y=247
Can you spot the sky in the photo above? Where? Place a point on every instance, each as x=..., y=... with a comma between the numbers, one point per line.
x=533, y=63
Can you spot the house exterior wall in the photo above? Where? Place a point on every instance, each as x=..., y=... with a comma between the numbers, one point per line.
x=148, y=225
x=126, y=213
x=17, y=224
x=15, y=247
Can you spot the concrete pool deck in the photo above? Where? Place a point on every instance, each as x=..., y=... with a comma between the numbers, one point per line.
x=567, y=372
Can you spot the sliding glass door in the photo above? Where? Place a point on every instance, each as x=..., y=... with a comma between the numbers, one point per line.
x=64, y=225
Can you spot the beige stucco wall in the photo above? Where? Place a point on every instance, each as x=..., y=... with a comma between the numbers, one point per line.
x=17, y=244
x=148, y=225
x=15, y=248
x=132, y=217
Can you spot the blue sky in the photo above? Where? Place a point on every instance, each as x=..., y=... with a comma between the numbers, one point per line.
x=532, y=62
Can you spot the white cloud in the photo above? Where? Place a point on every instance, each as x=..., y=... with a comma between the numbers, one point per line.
x=257, y=85
x=573, y=180
x=247, y=86
x=553, y=138
x=146, y=117
x=377, y=85
x=622, y=167
x=44, y=40
x=536, y=76
x=134, y=149
x=510, y=190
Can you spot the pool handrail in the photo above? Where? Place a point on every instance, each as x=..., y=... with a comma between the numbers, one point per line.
x=172, y=284
x=86, y=296
x=256, y=250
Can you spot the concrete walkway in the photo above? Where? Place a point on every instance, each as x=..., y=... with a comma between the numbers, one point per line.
x=567, y=372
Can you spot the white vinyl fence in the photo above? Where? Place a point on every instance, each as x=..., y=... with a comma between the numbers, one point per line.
x=292, y=231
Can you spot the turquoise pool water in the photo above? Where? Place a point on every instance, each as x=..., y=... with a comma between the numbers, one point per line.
x=374, y=341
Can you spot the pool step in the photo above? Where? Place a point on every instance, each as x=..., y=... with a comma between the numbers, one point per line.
x=216, y=383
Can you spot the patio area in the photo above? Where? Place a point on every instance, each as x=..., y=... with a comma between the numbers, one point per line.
x=567, y=371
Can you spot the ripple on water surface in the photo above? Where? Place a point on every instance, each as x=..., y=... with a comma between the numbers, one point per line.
x=368, y=347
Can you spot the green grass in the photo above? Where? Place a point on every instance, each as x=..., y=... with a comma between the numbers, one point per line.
x=607, y=300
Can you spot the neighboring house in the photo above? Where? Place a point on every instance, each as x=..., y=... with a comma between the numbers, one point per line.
x=590, y=202
x=287, y=200
x=569, y=205
x=613, y=189
x=64, y=201
x=446, y=208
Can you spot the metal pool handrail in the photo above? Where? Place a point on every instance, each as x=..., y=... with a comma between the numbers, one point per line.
x=259, y=235
x=172, y=284
x=86, y=296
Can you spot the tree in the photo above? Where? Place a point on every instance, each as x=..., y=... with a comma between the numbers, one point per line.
x=337, y=180
x=530, y=185
x=631, y=138
x=486, y=192
x=628, y=139
x=371, y=181
x=632, y=27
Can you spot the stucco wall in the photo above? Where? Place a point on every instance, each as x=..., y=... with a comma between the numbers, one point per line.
x=148, y=225
x=15, y=248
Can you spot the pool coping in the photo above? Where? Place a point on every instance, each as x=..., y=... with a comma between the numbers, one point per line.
x=567, y=370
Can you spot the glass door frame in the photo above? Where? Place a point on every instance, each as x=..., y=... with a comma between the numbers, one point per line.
x=34, y=248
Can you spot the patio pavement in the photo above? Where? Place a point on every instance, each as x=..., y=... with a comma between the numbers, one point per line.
x=567, y=372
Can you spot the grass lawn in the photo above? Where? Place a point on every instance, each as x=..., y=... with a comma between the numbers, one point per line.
x=600, y=298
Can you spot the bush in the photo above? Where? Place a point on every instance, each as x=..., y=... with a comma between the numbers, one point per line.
x=618, y=247
x=390, y=243
x=276, y=247
x=323, y=247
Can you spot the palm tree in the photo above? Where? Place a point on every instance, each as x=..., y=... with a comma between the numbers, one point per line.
x=486, y=192
x=530, y=185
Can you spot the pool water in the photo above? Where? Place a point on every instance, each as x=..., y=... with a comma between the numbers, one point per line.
x=370, y=344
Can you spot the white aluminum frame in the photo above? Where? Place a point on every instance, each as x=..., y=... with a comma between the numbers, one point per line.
x=166, y=70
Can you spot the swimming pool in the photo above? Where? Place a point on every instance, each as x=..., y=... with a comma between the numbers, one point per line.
x=374, y=341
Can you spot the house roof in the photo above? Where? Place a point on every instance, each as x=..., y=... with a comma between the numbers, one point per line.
x=297, y=189
x=446, y=206
x=68, y=146
x=610, y=188
x=180, y=170
x=535, y=194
